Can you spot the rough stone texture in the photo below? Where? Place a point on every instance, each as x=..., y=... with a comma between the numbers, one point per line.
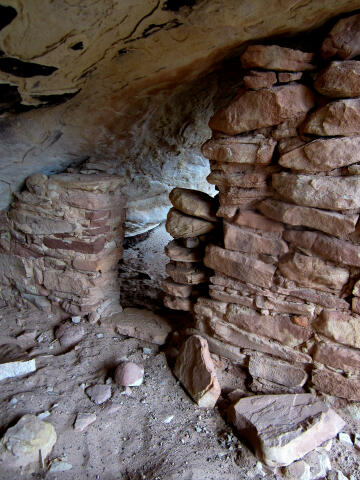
x=284, y=428
x=195, y=370
x=16, y=369
x=22, y=443
x=339, y=326
x=83, y=420
x=329, y=222
x=273, y=57
x=177, y=252
x=285, y=77
x=194, y=203
x=262, y=108
x=333, y=355
x=339, y=80
x=332, y=193
x=178, y=303
x=69, y=334
x=277, y=371
x=255, y=80
x=129, y=374
x=335, y=384
x=176, y=289
x=323, y=155
x=180, y=225
x=343, y=40
x=187, y=273
x=99, y=393
x=336, y=118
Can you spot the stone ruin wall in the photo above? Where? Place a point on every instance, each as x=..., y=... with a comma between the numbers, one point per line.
x=279, y=261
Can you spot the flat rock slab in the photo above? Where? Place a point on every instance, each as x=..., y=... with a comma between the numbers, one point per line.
x=178, y=303
x=344, y=39
x=273, y=57
x=284, y=428
x=335, y=384
x=180, y=225
x=339, y=326
x=187, y=273
x=277, y=371
x=256, y=79
x=16, y=369
x=175, y=251
x=194, y=203
x=142, y=324
x=262, y=108
x=339, y=80
x=334, y=355
x=195, y=370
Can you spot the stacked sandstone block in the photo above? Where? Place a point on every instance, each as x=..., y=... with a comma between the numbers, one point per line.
x=190, y=223
x=286, y=160
x=64, y=243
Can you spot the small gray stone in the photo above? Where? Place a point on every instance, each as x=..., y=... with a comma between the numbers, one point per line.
x=15, y=369
x=83, y=420
x=59, y=466
x=99, y=393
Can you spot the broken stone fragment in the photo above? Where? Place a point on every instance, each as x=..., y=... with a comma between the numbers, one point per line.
x=194, y=203
x=195, y=370
x=336, y=356
x=339, y=80
x=178, y=303
x=129, y=374
x=175, y=251
x=335, y=384
x=243, y=197
x=99, y=393
x=284, y=428
x=341, y=117
x=250, y=179
x=69, y=334
x=285, y=77
x=187, y=273
x=274, y=57
x=254, y=149
x=176, y=289
x=16, y=369
x=277, y=371
x=322, y=155
x=332, y=193
x=23, y=443
x=262, y=108
x=344, y=39
x=248, y=218
x=339, y=326
x=266, y=387
x=256, y=79
x=83, y=420
x=180, y=225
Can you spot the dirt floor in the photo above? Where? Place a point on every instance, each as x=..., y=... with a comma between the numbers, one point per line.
x=153, y=432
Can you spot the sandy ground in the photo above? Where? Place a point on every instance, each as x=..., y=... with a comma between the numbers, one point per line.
x=155, y=432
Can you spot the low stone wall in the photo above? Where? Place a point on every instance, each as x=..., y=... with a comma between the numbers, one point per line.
x=61, y=243
x=285, y=297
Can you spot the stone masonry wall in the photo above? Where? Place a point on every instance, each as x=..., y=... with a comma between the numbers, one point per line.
x=284, y=298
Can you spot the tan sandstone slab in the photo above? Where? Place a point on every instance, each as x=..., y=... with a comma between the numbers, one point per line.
x=277, y=371
x=194, y=203
x=242, y=240
x=195, y=370
x=256, y=79
x=339, y=80
x=329, y=222
x=255, y=179
x=238, y=265
x=254, y=149
x=248, y=218
x=187, y=273
x=274, y=57
x=332, y=193
x=180, y=225
x=329, y=248
x=284, y=428
x=341, y=117
x=335, y=384
x=176, y=289
x=323, y=155
x=313, y=272
x=175, y=251
x=334, y=355
x=262, y=108
x=339, y=326
x=344, y=39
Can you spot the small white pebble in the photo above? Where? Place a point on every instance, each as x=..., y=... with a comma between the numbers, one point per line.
x=168, y=419
x=99, y=335
x=345, y=438
x=43, y=415
x=13, y=401
x=76, y=319
x=147, y=351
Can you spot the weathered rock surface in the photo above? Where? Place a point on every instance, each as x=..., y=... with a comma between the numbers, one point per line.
x=339, y=80
x=277, y=371
x=341, y=117
x=255, y=79
x=284, y=428
x=262, y=108
x=180, y=225
x=194, y=203
x=195, y=370
x=24, y=442
x=329, y=222
x=323, y=155
x=347, y=359
x=176, y=289
x=83, y=420
x=187, y=273
x=248, y=218
x=177, y=252
x=339, y=326
x=332, y=193
x=17, y=368
x=99, y=393
x=343, y=40
x=69, y=334
x=285, y=77
x=335, y=384
x=178, y=303
x=129, y=374
x=273, y=57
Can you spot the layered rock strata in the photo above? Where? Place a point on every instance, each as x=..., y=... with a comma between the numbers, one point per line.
x=64, y=244
x=286, y=163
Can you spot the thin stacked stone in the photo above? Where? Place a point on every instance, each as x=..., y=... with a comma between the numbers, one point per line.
x=286, y=162
x=190, y=222
x=65, y=242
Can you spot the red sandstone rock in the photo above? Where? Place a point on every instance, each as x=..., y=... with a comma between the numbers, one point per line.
x=254, y=149
x=335, y=384
x=99, y=393
x=103, y=262
x=277, y=371
x=312, y=272
x=355, y=305
x=265, y=387
x=339, y=326
x=238, y=265
x=129, y=374
x=223, y=294
x=287, y=144
x=177, y=289
x=76, y=245
x=187, y=273
x=332, y=193
x=242, y=196
x=338, y=251
x=339, y=80
x=323, y=155
x=285, y=77
x=329, y=222
x=288, y=128
x=194, y=203
x=280, y=304
x=255, y=79
x=341, y=117
x=195, y=370
x=344, y=39
x=241, y=240
x=178, y=303
x=69, y=334
x=262, y=108
x=248, y=218
x=333, y=355
x=175, y=251
x=273, y=57
x=180, y=225
x=284, y=428
x=245, y=180
x=191, y=242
